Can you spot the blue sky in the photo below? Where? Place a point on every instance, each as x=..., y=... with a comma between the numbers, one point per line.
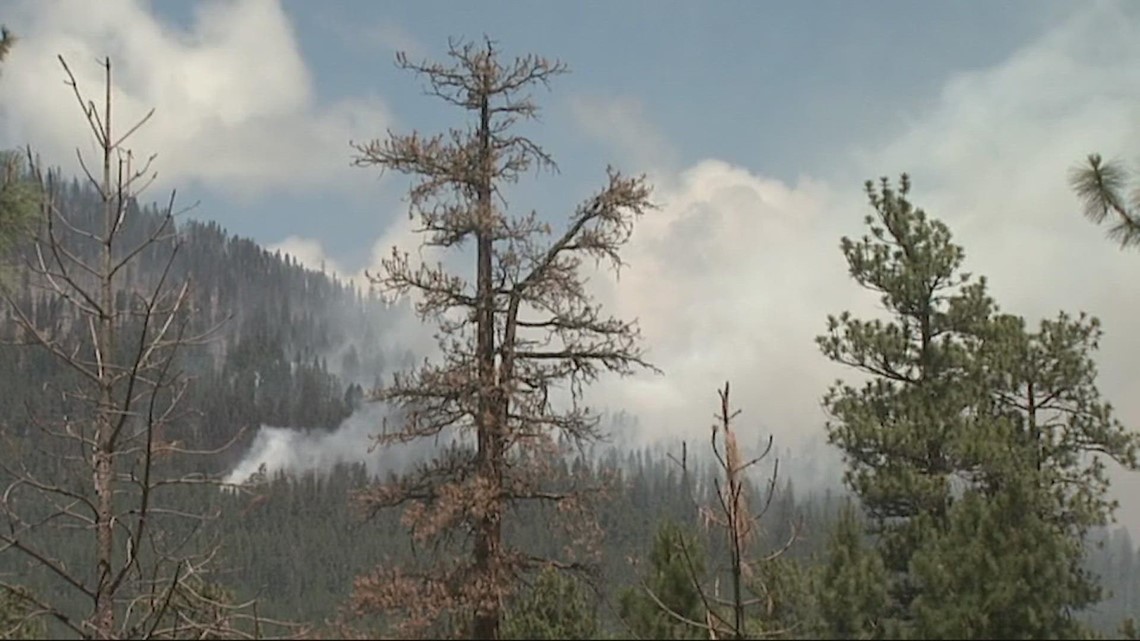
x=776, y=87
x=756, y=121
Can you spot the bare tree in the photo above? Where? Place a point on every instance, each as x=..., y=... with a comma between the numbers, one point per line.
x=731, y=514
x=526, y=331
x=146, y=573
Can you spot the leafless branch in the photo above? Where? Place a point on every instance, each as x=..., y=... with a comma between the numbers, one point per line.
x=111, y=448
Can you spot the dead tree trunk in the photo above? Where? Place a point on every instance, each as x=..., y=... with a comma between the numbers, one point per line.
x=489, y=532
x=129, y=386
x=727, y=618
x=104, y=619
x=524, y=328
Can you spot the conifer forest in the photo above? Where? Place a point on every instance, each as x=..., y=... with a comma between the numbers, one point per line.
x=201, y=437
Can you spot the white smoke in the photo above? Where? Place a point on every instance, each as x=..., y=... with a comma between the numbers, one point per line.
x=298, y=451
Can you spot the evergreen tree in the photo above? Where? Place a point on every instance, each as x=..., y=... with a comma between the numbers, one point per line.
x=853, y=589
x=556, y=607
x=19, y=198
x=908, y=428
x=1000, y=572
x=1101, y=187
x=975, y=447
x=651, y=610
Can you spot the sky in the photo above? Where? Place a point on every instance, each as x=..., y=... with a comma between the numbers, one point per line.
x=756, y=122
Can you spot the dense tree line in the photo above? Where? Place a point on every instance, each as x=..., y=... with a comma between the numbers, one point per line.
x=294, y=348
x=975, y=441
x=300, y=546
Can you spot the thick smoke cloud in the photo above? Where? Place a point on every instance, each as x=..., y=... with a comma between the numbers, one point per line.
x=733, y=277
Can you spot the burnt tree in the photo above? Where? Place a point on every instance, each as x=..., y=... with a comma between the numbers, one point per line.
x=517, y=347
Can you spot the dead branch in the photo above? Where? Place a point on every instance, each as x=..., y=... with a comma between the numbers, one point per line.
x=114, y=456
x=517, y=328
x=732, y=516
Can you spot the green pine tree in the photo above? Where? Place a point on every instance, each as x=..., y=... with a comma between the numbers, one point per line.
x=556, y=607
x=1000, y=572
x=976, y=446
x=910, y=427
x=674, y=561
x=1102, y=188
x=853, y=590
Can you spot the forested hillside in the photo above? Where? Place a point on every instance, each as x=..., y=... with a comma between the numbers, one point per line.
x=297, y=348
x=289, y=346
x=203, y=439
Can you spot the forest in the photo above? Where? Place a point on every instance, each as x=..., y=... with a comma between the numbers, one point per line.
x=145, y=356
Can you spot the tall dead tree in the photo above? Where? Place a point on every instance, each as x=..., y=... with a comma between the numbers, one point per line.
x=524, y=332
x=751, y=590
x=142, y=577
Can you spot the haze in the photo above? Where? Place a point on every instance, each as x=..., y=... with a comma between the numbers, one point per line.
x=757, y=123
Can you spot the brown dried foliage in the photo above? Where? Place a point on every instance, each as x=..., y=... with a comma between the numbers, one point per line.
x=732, y=515
x=526, y=330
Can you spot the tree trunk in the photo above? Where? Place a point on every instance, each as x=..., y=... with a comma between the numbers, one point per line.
x=488, y=536
x=104, y=615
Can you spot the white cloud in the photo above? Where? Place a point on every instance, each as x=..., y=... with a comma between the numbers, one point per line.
x=369, y=37
x=621, y=123
x=394, y=38
x=234, y=104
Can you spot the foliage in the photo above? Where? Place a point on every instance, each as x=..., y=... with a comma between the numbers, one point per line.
x=788, y=605
x=556, y=607
x=1000, y=572
x=908, y=428
x=1101, y=186
x=651, y=610
x=510, y=342
x=768, y=595
x=972, y=438
x=852, y=592
x=15, y=620
x=19, y=199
